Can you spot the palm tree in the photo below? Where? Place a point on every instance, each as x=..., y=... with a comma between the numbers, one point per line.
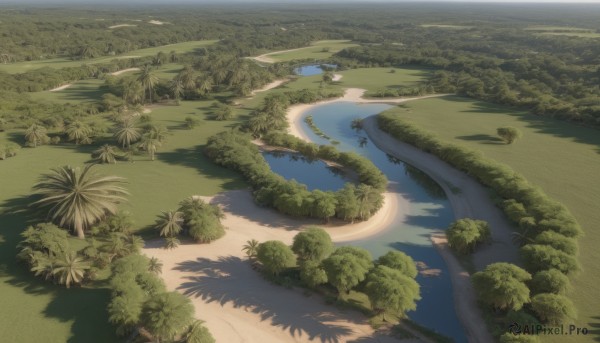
x=176, y=87
x=157, y=132
x=127, y=133
x=259, y=124
x=251, y=248
x=70, y=268
x=79, y=132
x=36, y=134
x=134, y=244
x=188, y=77
x=171, y=242
x=150, y=145
x=169, y=223
x=79, y=198
x=148, y=80
x=205, y=85
x=155, y=266
x=106, y=154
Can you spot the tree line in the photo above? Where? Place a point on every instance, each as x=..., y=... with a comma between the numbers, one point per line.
x=547, y=231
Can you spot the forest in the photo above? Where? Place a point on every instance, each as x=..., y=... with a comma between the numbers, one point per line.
x=114, y=115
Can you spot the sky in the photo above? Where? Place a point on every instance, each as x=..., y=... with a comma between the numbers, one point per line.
x=294, y=1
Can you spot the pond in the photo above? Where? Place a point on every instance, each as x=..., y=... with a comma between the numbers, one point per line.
x=427, y=209
x=315, y=174
x=313, y=69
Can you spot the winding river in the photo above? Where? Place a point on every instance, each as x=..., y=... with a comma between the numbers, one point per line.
x=424, y=208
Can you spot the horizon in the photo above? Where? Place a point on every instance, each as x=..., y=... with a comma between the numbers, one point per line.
x=283, y=2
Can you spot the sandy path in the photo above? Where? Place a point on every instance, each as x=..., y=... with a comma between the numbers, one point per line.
x=237, y=304
x=269, y=86
x=121, y=25
x=266, y=59
x=60, y=88
x=119, y=72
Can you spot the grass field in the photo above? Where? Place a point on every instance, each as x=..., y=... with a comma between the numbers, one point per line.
x=319, y=50
x=79, y=315
x=21, y=67
x=447, y=26
x=563, y=31
x=373, y=79
x=563, y=159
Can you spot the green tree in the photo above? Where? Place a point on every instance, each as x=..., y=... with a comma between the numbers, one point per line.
x=176, y=87
x=323, y=204
x=79, y=198
x=347, y=267
x=347, y=205
x=150, y=145
x=312, y=244
x=391, y=290
x=509, y=134
x=169, y=223
x=69, y=268
x=464, y=234
x=36, y=135
x=399, y=261
x=148, y=80
x=127, y=133
x=312, y=273
x=191, y=122
x=106, y=154
x=538, y=257
x=275, y=256
x=550, y=281
x=79, y=132
x=251, y=248
x=327, y=76
x=167, y=315
x=198, y=333
x=502, y=286
x=553, y=308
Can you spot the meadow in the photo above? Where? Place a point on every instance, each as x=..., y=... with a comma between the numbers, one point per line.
x=563, y=31
x=561, y=158
x=319, y=50
x=21, y=67
x=79, y=315
x=374, y=79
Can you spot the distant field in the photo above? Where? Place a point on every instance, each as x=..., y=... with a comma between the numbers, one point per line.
x=564, y=31
x=447, y=26
x=563, y=159
x=78, y=314
x=21, y=67
x=374, y=79
x=319, y=50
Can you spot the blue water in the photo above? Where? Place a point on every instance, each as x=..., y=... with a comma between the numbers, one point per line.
x=314, y=69
x=314, y=174
x=427, y=207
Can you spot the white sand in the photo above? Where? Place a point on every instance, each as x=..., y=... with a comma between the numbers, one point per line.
x=266, y=59
x=121, y=25
x=59, y=88
x=237, y=304
x=337, y=77
x=117, y=73
x=157, y=22
x=269, y=86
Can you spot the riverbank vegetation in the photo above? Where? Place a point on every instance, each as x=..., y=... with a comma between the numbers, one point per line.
x=536, y=215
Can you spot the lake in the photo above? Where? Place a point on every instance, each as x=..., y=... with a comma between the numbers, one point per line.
x=312, y=69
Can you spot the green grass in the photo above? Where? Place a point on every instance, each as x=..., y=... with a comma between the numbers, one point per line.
x=563, y=31
x=320, y=50
x=373, y=79
x=35, y=311
x=79, y=92
x=21, y=67
x=562, y=158
x=447, y=26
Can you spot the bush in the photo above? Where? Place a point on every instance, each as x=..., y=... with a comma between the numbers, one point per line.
x=553, y=308
x=312, y=244
x=399, y=261
x=502, y=286
x=538, y=257
x=275, y=256
x=509, y=134
x=550, y=281
x=465, y=234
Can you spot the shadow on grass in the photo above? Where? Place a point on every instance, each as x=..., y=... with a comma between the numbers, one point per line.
x=83, y=308
x=595, y=328
x=230, y=280
x=484, y=138
x=540, y=124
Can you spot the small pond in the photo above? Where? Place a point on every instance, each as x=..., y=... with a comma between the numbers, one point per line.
x=313, y=69
x=315, y=174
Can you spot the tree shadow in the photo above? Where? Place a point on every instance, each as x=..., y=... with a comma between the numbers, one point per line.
x=84, y=308
x=484, y=138
x=229, y=280
x=595, y=328
x=241, y=203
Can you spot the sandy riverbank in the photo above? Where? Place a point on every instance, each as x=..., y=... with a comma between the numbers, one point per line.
x=237, y=304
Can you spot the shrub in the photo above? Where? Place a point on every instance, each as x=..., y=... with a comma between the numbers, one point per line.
x=502, y=286
x=550, y=281
x=464, y=235
x=509, y=134
x=275, y=256
x=553, y=308
x=538, y=257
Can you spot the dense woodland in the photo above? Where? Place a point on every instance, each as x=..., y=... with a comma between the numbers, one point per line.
x=497, y=60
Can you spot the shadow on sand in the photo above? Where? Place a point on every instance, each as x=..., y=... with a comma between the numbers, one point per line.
x=220, y=280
